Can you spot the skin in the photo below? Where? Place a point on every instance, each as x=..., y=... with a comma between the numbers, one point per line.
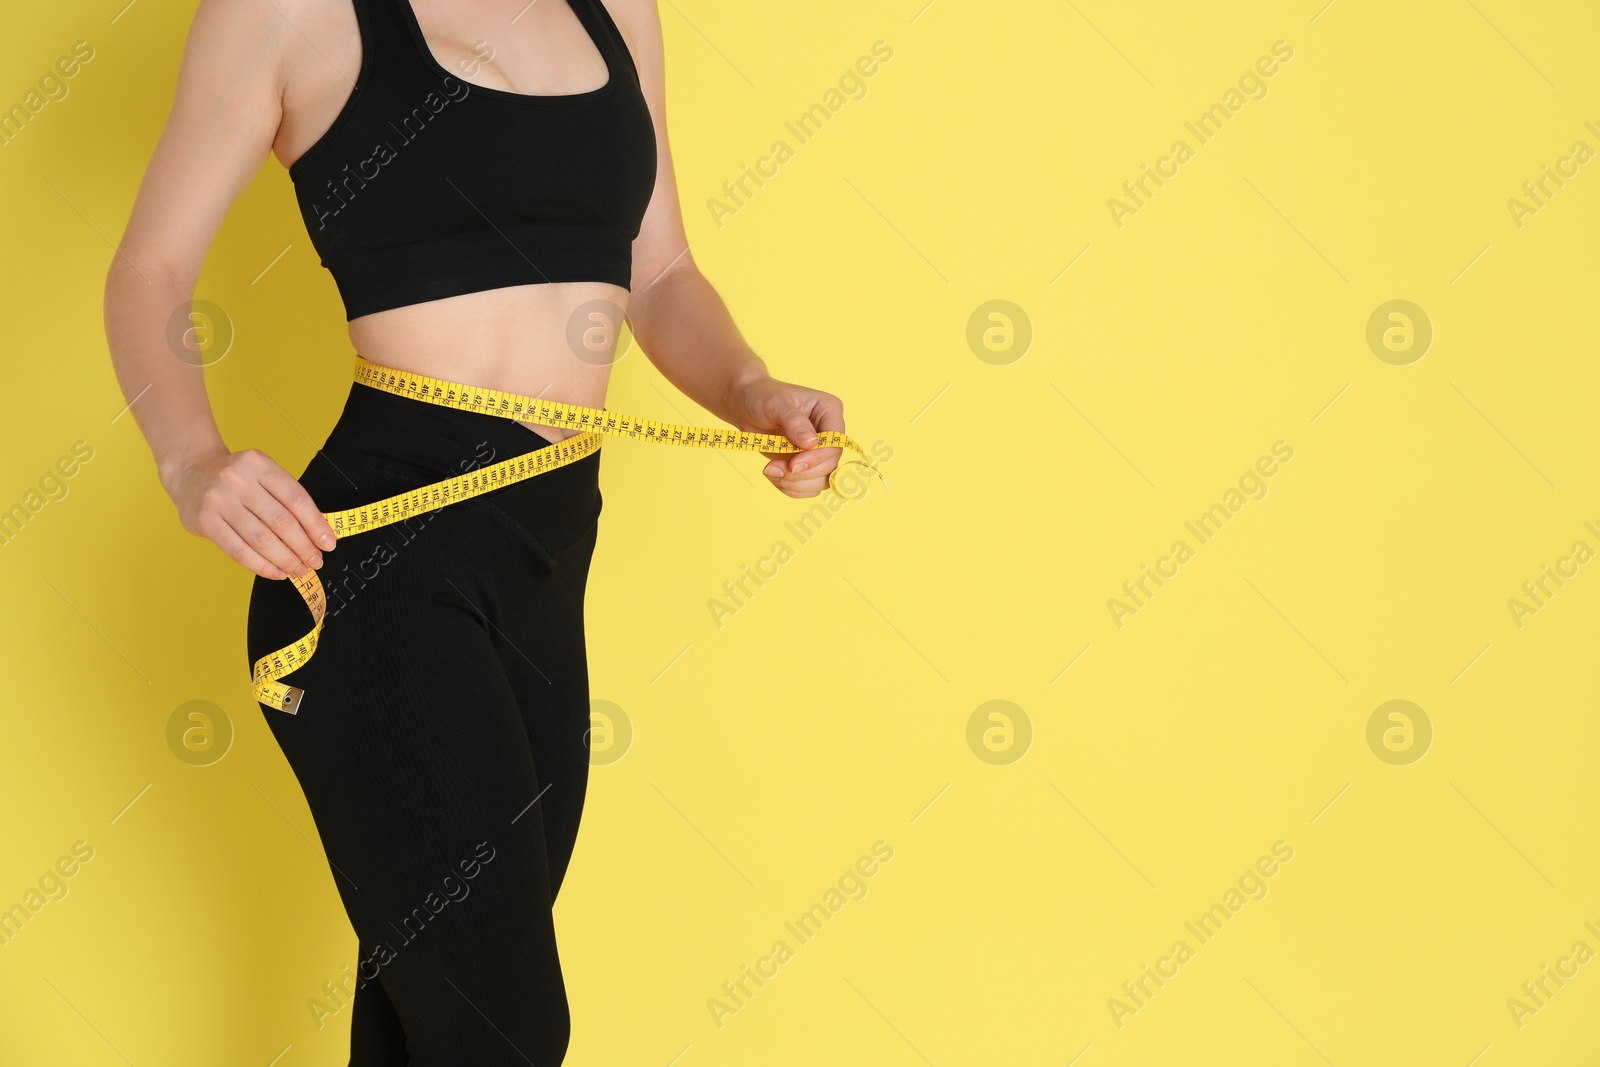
x=260, y=76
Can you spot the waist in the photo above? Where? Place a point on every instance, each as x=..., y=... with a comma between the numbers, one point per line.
x=402, y=443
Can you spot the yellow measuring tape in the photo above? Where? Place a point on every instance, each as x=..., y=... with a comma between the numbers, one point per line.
x=591, y=424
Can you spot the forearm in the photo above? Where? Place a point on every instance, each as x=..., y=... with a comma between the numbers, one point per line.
x=682, y=325
x=166, y=391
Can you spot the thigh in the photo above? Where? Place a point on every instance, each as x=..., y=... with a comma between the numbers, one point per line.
x=412, y=752
x=543, y=649
x=377, y=1037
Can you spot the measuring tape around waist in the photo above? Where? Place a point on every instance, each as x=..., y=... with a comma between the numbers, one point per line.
x=591, y=426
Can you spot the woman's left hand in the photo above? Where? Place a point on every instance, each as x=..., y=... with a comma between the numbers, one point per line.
x=767, y=405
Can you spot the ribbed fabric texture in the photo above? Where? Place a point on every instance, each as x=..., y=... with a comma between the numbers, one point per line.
x=442, y=742
x=427, y=186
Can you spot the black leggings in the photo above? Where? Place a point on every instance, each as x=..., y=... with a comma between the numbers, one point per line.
x=442, y=743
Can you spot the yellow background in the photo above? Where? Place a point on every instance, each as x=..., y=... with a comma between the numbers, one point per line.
x=832, y=711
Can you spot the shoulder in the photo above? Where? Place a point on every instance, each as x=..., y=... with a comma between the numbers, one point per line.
x=261, y=22
x=268, y=31
x=640, y=23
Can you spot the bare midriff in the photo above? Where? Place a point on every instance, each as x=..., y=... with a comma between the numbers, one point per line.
x=554, y=341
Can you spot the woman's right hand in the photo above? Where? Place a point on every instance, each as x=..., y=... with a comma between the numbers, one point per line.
x=253, y=509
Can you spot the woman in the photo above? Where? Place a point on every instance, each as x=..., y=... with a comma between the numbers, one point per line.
x=489, y=183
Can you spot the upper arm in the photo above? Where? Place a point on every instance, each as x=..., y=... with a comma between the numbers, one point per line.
x=225, y=116
x=662, y=242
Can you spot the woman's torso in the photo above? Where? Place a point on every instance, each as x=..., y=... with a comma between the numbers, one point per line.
x=554, y=339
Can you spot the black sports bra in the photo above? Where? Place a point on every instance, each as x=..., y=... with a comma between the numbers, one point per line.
x=428, y=186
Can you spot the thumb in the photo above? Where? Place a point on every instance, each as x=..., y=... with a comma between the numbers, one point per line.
x=796, y=427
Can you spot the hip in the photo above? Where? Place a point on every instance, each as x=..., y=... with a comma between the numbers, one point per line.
x=384, y=444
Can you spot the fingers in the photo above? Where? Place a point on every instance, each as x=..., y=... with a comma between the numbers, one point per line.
x=286, y=528
x=808, y=461
x=261, y=514
x=804, y=489
x=264, y=537
x=794, y=463
x=258, y=514
x=827, y=413
x=807, y=479
x=798, y=428
x=243, y=554
x=794, y=423
x=292, y=495
x=802, y=414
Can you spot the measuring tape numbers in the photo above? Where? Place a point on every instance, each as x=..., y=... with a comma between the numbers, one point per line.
x=590, y=426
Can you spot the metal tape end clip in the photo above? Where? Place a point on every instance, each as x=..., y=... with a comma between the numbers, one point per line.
x=291, y=702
